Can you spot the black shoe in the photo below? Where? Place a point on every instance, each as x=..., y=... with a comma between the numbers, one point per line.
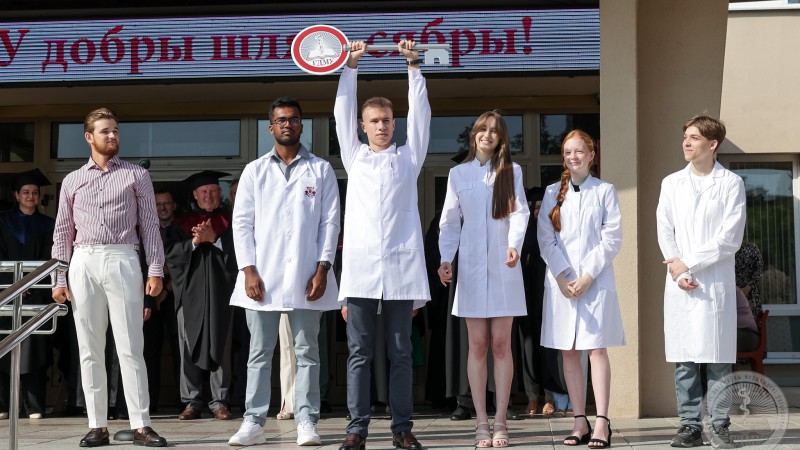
x=687, y=437
x=461, y=413
x=573, y=440
x=96, y=437
x=512, y=415
x=354, y=441
x=599, y=443
x=406, y=441
x=325, y=407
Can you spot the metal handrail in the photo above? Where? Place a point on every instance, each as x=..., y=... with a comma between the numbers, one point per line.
x=26, y=311
x=31, y=279
x=22, y=332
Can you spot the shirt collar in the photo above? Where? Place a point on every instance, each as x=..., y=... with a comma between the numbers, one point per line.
x=302, y=153
x=114, y=161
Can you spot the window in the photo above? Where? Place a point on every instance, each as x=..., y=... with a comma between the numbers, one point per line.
x=554, y=127
x=266, y=141
x=550, y=174
x=448, y=134
x=772, y=225
x=206, y=138
x=16, y=142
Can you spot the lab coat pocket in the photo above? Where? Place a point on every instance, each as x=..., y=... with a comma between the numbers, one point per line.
x=465, y=193
x=310, y=190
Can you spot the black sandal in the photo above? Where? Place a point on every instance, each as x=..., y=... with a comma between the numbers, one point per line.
x=572, y=440
x=603, y=444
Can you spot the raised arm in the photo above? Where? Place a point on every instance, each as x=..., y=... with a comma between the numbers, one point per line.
x=345, y=109
x=419, y=109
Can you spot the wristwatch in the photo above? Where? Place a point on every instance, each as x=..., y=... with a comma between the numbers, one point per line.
x=325, y=264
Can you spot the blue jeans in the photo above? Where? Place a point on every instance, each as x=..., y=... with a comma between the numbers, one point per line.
x=362, y=317
x=263, y=327
x=689, y=392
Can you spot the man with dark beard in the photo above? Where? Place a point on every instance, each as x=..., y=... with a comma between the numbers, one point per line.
x=202, y=265
x=101, y=207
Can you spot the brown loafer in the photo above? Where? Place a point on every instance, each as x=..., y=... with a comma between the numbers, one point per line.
x=96, y=437
x=148, y=438
x=354, y=441
x=189, y=414
x=222, y=413
x=406, y=441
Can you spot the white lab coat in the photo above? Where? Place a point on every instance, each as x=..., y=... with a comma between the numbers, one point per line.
x=704, y=231
x=590, y=238
x=284, y=228
x=383, y=254
x=485, y=286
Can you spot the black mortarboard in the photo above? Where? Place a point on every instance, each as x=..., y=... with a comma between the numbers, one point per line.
x=205, y=177
x=33, y=176
x=535, y=194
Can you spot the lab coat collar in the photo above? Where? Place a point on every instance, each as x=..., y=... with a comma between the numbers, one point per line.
x=392, y=149
x=716, y=172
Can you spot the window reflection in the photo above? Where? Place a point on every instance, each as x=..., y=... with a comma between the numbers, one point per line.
x=266, y=141
x=204, y=138
x=554, y=127
x=16, y=142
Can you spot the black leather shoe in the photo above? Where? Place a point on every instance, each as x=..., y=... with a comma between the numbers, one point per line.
x=148, y=438
x=512, y=415
x=406, y=441
x=96, y=437
x=354, y=441
x=461, y=413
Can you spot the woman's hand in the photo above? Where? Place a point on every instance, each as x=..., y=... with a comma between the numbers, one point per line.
x=580, y=285
x=512, y=257
x=445, y=273
x=563, y=285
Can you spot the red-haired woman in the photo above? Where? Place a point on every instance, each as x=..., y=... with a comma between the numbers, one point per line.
x=579, y=239
x=484, y=217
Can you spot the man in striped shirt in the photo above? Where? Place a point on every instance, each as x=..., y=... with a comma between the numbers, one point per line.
x=100, y=208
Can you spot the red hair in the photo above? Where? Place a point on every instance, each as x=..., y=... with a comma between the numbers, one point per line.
x=555, y=213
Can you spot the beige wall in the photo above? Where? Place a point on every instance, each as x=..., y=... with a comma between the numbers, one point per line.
x=661, y=63
x=760, y=94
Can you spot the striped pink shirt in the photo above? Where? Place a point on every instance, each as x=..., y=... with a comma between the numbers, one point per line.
x=105, y=207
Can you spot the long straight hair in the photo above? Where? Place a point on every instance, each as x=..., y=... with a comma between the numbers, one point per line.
x=503, y=197
x=555, y=213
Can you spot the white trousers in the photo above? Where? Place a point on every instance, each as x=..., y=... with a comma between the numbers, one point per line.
x=106, y=281
x=288, y=364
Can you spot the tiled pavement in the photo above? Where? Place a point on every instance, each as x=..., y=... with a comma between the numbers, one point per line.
x=434, y=431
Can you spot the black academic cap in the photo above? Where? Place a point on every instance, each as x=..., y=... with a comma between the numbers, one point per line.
x=205, y=177
x=535, y=194
x=459, y=158
x=33, y=176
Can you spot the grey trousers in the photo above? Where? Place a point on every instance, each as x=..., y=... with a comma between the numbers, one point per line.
x=191, y=385
x=362, y=317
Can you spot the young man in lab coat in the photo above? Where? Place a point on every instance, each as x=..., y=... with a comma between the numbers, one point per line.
x=383, y=264
x=285, y=229
x=701, y=218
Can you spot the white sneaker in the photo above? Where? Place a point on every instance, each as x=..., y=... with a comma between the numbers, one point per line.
x=35, y=416
x=249, y=433
x=307, y=434
x=3, y=416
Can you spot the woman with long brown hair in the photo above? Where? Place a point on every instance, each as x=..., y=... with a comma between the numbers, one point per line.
x=579, y=239
x=484, y=218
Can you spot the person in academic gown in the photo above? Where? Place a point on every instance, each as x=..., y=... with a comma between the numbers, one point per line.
x=202, y=262
x=580, y=234
x=27, y=235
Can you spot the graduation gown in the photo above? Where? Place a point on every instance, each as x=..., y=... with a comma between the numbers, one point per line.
x=27, y=238
x=202, y=281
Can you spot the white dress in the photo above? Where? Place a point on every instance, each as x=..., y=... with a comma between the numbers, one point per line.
x=485, y=286
x=590, y=238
